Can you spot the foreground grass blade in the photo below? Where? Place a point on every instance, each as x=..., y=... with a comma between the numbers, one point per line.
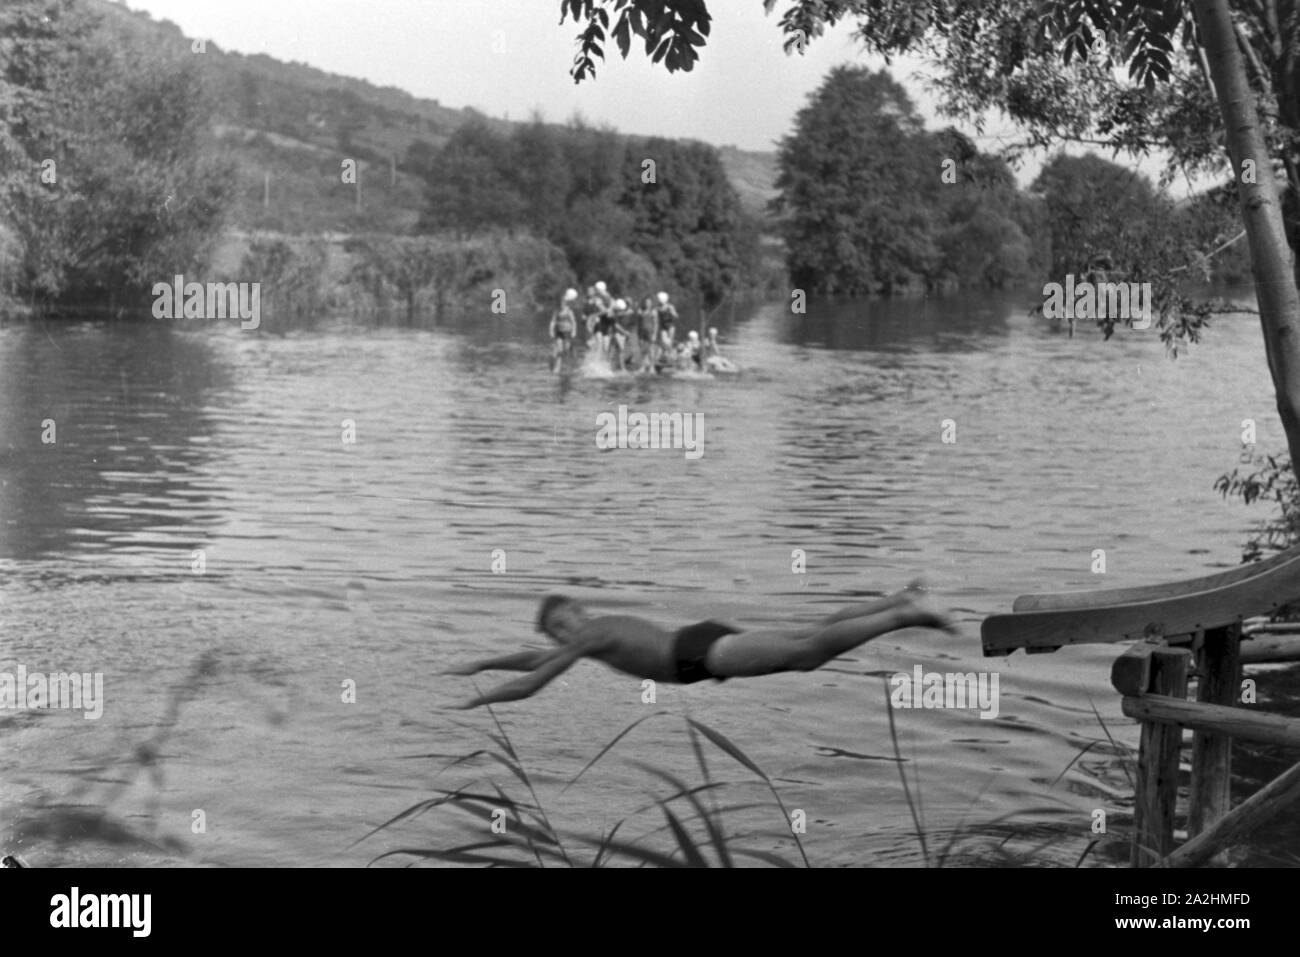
x=690, y=850
x=771, y=857
x=715, y=819
x=715, y=833
x=411, y=811
x=605, y=750
x=528, y=783
x=728, y=748
x=491, y=805
x=1119, y=751
x=898, y=756
x=532, y=845
x=1065, y=770
x=604, y=844
x=629, y=850
x=455, y=857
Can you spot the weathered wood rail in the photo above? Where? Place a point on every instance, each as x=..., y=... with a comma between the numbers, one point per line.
x=1191, y=628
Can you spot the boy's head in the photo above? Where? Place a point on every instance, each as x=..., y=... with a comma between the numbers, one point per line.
x=560, y=617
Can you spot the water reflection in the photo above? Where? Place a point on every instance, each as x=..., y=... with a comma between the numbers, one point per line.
x=937, y=324
x=125, y=408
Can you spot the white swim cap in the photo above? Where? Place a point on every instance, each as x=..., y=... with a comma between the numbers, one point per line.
x=570, y=295
x=600, y=286
x=663, y=298
x=692, y=334
x=620, y=304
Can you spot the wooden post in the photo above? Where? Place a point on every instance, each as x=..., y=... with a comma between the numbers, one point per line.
x=1130, y=673
x=1219, y=663
x=1157, y=783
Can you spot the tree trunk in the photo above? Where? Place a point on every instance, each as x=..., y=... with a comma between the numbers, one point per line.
x=1261, y=212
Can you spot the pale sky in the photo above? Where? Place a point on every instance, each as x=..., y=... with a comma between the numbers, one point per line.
x=509, y=57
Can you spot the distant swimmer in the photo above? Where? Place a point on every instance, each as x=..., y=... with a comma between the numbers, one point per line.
x=620, y=335
x=666, y=313
x=714, y=360
x=608, y=331
x=592, y=310
x=564, y=325
x=692, y=351
x=647, y=333
x=709, y=649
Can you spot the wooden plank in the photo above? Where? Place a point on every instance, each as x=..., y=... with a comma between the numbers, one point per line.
x=1157, y=781
x=1130, y=674
x=1096, y=598
x=1234, y=722
x=1265, y=648
x=1255, y=626
x=1179, y=614
x=1277, y=796
x=1219, y=666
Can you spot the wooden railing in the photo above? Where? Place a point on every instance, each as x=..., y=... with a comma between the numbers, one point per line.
x=1180, y=630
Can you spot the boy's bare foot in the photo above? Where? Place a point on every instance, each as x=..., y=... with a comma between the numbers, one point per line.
x=906, y=595
x=918, y=609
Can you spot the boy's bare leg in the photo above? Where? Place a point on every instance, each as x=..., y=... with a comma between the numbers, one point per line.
x=903, y=596
x=765, y=651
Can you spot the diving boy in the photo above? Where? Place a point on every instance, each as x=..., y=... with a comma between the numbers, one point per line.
x=710, y=649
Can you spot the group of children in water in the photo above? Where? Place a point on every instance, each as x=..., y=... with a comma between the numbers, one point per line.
x=631, y=340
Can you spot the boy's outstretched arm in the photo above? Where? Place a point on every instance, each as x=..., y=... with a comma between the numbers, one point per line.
x=556, y=663
x=520, y=661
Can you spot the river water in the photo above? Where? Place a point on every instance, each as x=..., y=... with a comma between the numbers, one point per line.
x=225, y=737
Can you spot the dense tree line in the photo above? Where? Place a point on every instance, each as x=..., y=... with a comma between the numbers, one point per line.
x=635, y=212
x=872, y=202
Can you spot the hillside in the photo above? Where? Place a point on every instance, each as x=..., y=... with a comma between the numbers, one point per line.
x=753, y=175
x=288, y=126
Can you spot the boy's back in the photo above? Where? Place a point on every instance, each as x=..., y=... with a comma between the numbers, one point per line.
x=632, y=645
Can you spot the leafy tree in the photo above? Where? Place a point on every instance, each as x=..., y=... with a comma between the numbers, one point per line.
x=989, y=233
x=470, y=186
x=863, y=208
x=854, y=200
x=127, y=197
x=420, y=158
x=541, y=175
x=1270, y=478
x=1095, y=210
x=596, y=225
x=1107, y=222
x=688, y=219
x=585, y=190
